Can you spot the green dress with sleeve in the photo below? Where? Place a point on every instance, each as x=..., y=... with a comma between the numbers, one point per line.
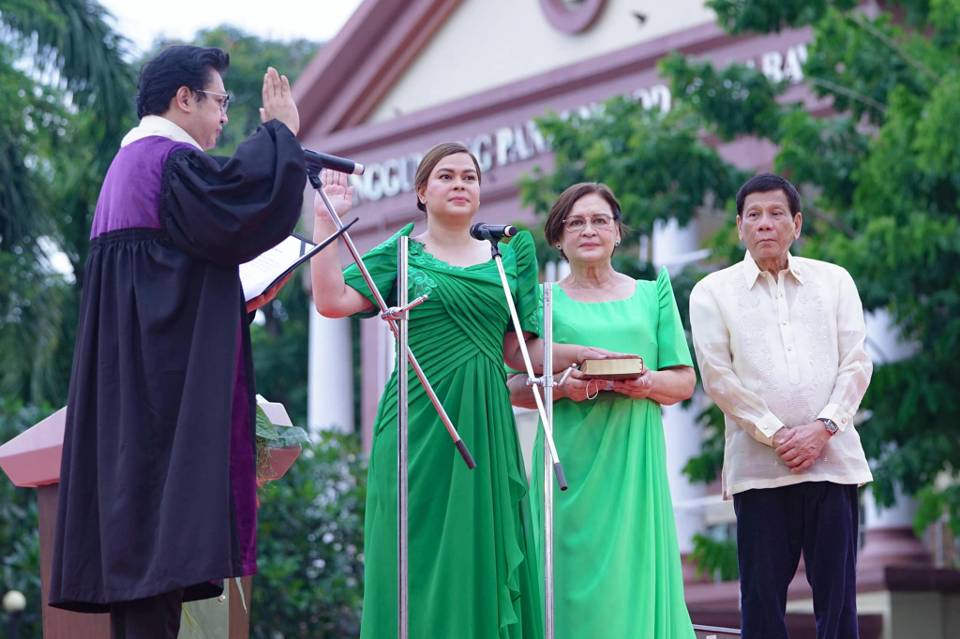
x=616, y=560
x=472, y=568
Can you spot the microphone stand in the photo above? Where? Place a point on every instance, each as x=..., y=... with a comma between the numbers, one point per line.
x=548, y=384
x=403, y=324
x=533, y=380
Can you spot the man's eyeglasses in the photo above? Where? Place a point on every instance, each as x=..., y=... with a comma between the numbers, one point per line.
x=598, y=222
x=224, y=103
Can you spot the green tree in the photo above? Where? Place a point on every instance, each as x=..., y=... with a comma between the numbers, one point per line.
x=881, y=179
x=60, y=65
x=655, y=162
x=19, y=525
x=310, y=539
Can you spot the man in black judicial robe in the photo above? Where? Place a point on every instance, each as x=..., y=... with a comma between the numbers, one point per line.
x=157, y=485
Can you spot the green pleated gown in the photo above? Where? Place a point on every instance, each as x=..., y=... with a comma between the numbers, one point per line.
x=616, y=560
x=472, y=568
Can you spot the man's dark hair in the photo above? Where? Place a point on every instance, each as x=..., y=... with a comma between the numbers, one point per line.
x=175, y=67
x=769, y=182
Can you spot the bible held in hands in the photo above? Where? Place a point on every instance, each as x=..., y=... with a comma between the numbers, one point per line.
x=627, y=368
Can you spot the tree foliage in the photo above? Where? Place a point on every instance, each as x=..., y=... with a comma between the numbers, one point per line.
x=715, y=558
x=880, y=173
x=19, y=525
x=901, y=201
x=72, y=40
x=657, y=163
x=310, y=539
x=66, y=91
x=766, y=16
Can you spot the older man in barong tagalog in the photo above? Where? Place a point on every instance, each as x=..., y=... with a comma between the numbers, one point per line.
x=157, y=482
x=780, y=343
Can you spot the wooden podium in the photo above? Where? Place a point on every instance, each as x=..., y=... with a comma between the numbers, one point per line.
x=32, y=460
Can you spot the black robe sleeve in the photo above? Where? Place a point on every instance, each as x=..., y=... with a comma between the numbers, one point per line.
x=228, y=212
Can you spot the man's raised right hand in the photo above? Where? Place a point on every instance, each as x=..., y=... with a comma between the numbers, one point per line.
x=278, y=101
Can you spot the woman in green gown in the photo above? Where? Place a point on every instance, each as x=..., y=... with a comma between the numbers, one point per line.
x=616, y=560
x=472, y=572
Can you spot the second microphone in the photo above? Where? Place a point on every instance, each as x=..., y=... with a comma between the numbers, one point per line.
x=492, y=232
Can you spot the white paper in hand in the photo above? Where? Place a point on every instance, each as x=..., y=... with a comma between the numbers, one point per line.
x=270, y=267
x=261, y=272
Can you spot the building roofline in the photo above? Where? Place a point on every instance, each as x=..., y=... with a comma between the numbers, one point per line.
x=349, y=76
x=356, y=135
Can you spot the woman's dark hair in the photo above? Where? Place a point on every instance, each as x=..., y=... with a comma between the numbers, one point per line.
x=553, y=227
x=430, y=161
x=765, y=182
x=175, y=67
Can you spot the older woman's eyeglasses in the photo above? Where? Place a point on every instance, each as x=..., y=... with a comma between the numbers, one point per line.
x=224, y=103
x=577, y=223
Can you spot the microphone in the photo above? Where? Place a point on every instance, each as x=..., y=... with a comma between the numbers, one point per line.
x=316, y=161
x=492, y=232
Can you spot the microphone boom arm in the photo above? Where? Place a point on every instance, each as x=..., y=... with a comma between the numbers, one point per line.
x=545, y=420
x=315, y=161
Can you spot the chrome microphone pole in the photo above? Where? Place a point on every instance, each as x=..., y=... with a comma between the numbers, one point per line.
x=389, y=315
x=402, y=320
x=533, y=379
x=547, y=380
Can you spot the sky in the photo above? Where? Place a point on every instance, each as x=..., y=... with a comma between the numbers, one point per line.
x=142, y=22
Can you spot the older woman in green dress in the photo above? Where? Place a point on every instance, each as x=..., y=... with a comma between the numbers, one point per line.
x=616, y=559
x=472, y=567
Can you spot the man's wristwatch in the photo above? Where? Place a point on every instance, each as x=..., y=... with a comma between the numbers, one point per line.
x=830, y=425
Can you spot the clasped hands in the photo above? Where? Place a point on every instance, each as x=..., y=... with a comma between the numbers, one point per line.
x=799, y=447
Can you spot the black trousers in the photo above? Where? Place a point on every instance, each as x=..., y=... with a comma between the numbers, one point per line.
x=151, y=618
x=774, y=525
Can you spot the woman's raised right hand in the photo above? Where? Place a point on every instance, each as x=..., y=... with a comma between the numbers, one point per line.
x=337, y=188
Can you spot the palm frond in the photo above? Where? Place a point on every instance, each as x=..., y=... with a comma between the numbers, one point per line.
x=72, y=41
